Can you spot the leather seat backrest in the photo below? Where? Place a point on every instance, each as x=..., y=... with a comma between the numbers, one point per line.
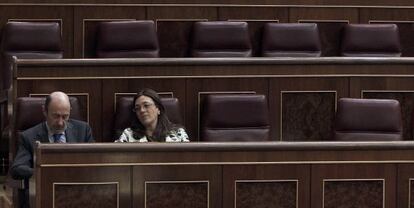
x=32, y=39
x=365, y=40
x=368, y=119
x=291, y=40
x=127, y=39
x=234, y=117
x=221, y=39
x=29, y=40
x=123, y=114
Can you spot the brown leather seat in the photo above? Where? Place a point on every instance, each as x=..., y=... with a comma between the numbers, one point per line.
x=124, y=112
x=127, y=39
x=368, y=120
x=221, y=39
x=29, y=40
x=365, y=40
x=235, y=117
x=291, y=40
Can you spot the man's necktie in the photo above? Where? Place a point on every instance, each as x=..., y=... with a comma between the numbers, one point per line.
x=58, y=138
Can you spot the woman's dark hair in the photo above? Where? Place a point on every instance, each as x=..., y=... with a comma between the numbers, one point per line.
x=164, y=126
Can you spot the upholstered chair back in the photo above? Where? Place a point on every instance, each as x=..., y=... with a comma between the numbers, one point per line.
x=368, y=120
x=235, y=117
x=291, y=40
x=221, y=39
x=364, y=40
x=127, y=39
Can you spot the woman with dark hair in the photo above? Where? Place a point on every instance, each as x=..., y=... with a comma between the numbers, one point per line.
x=150, y=123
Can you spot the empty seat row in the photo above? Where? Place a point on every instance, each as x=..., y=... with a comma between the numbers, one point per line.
x=131, y=39
x=245, y=117
x=231, y=39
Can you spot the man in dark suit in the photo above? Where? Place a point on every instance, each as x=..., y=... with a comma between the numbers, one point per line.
x=57, y=128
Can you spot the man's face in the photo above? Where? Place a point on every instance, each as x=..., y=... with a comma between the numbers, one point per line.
x=57, y=115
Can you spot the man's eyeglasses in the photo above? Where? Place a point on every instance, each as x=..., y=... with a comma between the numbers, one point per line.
x=146, y=106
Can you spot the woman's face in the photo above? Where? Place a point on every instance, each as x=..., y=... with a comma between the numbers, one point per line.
x=146, y=110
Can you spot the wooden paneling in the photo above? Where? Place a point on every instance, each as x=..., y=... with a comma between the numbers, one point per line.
x=105, y=184
x=271, y=193
x=262, y=184
x=182, y=186
x=172, y=194
x=352, y=193
x=253, y=13
x=349, y=14
x=79, y=194
x=307, y=115
x=174, y=36
x=171, y=12
x=331, y=181
x=405, y=186
x=304, y=86
x=232, y=174
x=384, y=14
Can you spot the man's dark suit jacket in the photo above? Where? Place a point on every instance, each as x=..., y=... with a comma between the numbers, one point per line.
x=22, y=168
